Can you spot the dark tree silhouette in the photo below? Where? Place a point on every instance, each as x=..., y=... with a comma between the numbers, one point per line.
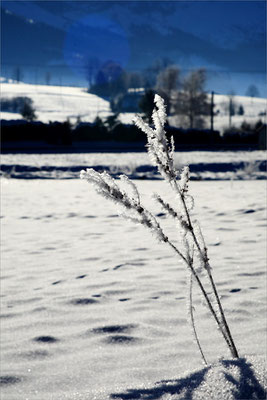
x=192, y=101
x=91, y=69
x=48, y=78
x=253, y=91
x=27, y=111
x=147, y=104
x=167, y=84
x=241, y=110
x=18, y=74
x=231, y=107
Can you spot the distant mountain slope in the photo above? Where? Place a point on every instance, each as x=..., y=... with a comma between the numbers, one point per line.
x=221, y=36
x=28, y=43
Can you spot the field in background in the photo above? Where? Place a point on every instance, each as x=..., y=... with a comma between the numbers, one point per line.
x=204, y=165
x=59, y=103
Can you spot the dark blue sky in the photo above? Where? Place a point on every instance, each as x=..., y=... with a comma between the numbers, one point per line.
x=228, y=38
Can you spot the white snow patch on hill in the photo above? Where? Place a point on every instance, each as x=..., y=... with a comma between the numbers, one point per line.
x=59, y=103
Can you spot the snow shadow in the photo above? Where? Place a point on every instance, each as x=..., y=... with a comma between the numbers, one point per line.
x=237, y=377
x=247, y=386
x=186, y=386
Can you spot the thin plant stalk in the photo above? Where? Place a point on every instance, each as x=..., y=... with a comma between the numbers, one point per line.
x=205, y=259
x=161, y=153
x=167, y=171
x=206, y=297
x=191, y=313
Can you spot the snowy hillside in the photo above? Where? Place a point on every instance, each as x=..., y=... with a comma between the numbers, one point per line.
x=56, y=103
x=59, y=103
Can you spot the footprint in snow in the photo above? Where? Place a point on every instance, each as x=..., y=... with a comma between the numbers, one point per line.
x=46, y=339
x=6, y=380
x=83, y=301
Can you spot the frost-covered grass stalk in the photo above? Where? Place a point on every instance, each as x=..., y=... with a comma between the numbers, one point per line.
x=193, y=250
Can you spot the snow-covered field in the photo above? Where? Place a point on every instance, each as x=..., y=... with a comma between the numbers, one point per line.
x=59, y=103
x=94, y=308
x=204, y=165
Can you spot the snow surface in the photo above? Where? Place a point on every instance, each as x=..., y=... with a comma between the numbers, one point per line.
x=94, y=308
x=59, y=103
x=204, y=165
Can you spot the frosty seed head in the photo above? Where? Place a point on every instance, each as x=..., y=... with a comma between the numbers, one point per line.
x=193, y=245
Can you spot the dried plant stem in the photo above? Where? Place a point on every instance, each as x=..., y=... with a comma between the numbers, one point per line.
x=232, y=346
x=221, y=322
x=223, y=325
x=211, y=308
x=161, y=153
x=191, y=312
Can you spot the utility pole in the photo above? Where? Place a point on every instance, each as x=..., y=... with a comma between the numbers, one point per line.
x=18, y=74
x=230, y=111
x=231, y=107
x=211, y=111
x=36, y=75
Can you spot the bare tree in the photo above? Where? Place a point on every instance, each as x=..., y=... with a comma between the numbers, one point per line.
x=27, y=110
x=231, y=107
x=146, y=104
x=253, y=91
x=192, y=101
x=48, y=78
x=167, y=83
x=91, y=67
x=151, y=73
x=241, y=110
x=18, y=74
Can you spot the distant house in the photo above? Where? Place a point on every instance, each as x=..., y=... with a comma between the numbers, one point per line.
x=262, y=136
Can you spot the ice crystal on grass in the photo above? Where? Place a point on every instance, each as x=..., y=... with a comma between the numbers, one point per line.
x=133, y=210
x=192, y=249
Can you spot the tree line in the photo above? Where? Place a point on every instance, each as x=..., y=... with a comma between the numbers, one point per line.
x=110, y=129
x=188, y=104
x=184, y=94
